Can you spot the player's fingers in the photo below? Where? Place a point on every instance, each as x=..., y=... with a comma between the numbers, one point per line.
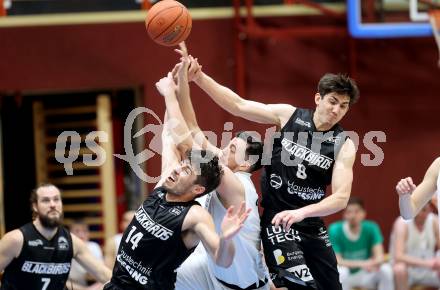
x=179, y=51
x=289, y=224
x=182, y=46
x=243, y=218
x=242, y=208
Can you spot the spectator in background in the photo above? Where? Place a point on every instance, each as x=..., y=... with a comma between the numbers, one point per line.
x=413, y=248
x=358, y=245
x=112, y=244
x=38, y=255
x=78, y=276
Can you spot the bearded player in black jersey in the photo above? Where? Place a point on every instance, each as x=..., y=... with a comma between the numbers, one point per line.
x=169, y=224
x=310, y=152
x=39, y=254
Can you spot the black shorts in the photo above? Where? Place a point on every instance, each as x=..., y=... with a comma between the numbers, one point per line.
x=302, y=258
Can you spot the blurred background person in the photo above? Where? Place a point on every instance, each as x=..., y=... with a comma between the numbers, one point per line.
x=79, y=279
x=358, y=245
x=413, y=249
x=112, y=244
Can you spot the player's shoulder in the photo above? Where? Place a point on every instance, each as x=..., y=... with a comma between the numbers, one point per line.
x=14, y=236
x=195, y=214
x=283, y=111
x=436, y=163
x=13, y=242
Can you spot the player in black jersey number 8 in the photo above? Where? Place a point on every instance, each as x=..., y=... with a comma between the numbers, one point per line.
x=310, y=152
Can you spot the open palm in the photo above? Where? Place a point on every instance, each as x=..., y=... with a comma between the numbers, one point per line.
x=233, y=222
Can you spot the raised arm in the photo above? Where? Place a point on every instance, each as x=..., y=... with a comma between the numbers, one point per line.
x=411, y=197
x=184, y=99
x=10, y=248
x=342, y=178
x=92, y=265
x=273, y=114
x=231, y=190
x=219, y=247
x=176, y=124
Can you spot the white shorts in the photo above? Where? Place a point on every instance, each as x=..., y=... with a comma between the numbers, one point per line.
x=194, y=274
x=423, y=276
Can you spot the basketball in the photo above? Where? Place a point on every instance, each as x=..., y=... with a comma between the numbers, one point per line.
x=168, y=22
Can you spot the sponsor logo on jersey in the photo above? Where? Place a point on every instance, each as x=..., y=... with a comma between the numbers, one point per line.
x=279, y=258
x=176, y=211
x=134, y=268
x=151, y=226
x=275, y=181
x=63, y=244
x=35, y=243
x=305, y=154
x=45, y=268
x=278, y=235
x=325, y=138
x=303, y=123
x=305, y=192
x=300, y=271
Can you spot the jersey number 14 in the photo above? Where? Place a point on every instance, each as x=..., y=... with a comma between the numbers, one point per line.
x=134, y=238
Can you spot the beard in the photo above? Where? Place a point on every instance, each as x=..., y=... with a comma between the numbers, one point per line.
x=50, y=222
x=169, y=190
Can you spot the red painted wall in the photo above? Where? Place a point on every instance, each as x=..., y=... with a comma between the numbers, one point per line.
x=398, y=79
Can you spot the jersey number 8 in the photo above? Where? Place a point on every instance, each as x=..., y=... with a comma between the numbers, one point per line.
x=301, y=171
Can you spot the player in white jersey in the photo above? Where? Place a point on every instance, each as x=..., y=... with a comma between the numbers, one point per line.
x=411, y=197
x=240, y=157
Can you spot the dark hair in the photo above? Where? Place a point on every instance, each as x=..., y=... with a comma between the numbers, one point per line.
x=34, y=196
x=209, y=170
x=340, y=84
x=254, y=147
x=356, y=200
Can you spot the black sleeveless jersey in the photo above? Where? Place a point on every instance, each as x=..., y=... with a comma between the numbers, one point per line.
x=301, y=165
x=42, y=264
x=152, y=248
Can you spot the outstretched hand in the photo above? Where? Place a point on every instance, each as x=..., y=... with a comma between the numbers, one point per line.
x=166, y=85
x=233, y=222
x=191, y=64
x=195, y=69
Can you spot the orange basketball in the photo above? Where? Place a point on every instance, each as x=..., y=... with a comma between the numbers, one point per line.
x=168, y=22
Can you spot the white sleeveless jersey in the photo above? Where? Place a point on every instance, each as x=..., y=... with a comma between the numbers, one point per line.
x=247, y=267
x=422, y=244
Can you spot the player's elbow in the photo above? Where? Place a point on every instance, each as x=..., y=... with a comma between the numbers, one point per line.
x=342, y=202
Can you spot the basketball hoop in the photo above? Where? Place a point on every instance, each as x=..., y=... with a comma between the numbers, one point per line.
x=434, y=18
